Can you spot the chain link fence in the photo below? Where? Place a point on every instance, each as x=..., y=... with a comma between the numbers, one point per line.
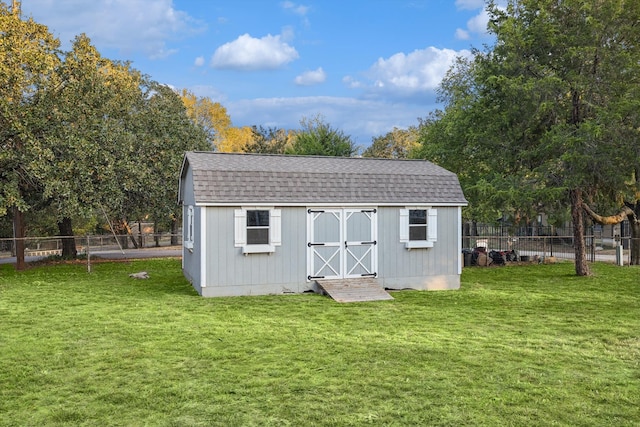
x=49, y=246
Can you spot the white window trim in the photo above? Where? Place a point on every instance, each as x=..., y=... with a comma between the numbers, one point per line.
x=240, y=230
x=432, y=228
x=189, y=228
x=418, y=244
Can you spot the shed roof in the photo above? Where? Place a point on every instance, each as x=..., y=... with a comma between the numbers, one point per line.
x=231, y=178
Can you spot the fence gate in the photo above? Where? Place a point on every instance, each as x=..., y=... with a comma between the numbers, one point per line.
x=341, y=243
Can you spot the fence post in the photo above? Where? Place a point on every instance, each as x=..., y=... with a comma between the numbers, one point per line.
x=593, y=244
x=88, y=251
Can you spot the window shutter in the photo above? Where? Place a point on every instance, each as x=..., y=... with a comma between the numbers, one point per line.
x=404, y=225
x=432, y=225
x=240, y=227
x=276, y=227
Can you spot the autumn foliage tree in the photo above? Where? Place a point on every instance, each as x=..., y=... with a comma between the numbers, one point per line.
x=81, y=133
x=270, y=140
x=213, y=118
x=397, y=144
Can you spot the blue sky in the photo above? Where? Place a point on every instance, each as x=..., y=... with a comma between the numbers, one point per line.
x=366, y=66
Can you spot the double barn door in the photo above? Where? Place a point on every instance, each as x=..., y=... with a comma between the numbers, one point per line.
x=342, y=243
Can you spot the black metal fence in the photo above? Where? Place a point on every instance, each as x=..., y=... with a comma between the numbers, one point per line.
x=542, y=241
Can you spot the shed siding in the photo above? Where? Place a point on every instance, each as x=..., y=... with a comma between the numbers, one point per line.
x=229, y=272
x=428, y=268
x=191, y=258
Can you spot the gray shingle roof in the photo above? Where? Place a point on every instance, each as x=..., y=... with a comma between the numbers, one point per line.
x=227, y=178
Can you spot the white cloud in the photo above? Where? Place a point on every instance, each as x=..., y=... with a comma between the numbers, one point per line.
x=125, y=25
x=462, y=34
x=199, y=62
x=287, y=34
x=249, y=53
x=478, y=24
x=352, y=83
x=210, y=92
x=161, y=53
x=416, y=74
x=298, y=9
x=469, y=4
x=310, y=78
x=360, y=119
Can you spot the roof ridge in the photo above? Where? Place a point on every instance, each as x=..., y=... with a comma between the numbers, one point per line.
x=310, y=156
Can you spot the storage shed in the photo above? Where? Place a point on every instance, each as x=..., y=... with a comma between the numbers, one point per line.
x=271, y=224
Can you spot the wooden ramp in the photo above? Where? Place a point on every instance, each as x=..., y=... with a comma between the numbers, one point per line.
x=353, y=290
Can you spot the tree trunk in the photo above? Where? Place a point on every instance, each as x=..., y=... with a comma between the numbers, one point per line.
x=582, y=268
x=466, y=232
x=635, y=241
x=19, y=242
x=174, y=231
x=123, y=226
x=65, y=227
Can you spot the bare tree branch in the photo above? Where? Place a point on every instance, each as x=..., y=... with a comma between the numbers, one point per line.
x=624, y=213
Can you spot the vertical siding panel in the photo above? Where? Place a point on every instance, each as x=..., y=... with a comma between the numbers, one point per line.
x=230, y=267
x=396, y=261
x=287, y=267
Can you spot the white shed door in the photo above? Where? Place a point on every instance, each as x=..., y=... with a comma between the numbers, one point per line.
x=341, y=243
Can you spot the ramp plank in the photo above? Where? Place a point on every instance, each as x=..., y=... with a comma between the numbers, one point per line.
x=353, y=290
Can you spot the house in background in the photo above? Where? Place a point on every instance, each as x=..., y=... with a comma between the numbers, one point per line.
x=272, y=224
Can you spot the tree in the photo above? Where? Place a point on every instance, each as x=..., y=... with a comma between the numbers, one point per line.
x=318, y=138
x=28, y=54
x=80, y=132
x=234, y=139
x=270, y=140
x=165, y=132
x=211, y=116
x=90, y=142
x=539, y=110
x=397, y=144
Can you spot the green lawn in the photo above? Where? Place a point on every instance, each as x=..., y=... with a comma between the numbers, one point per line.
x=516, y=346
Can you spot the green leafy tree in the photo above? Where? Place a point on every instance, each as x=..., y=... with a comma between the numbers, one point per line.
x=28, y=56
x=165, y=132
x=90, y=143
x=539, y=111
x=318, y=138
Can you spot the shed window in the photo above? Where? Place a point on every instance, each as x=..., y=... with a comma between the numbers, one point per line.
x=189, y=228
x=417, y=224
x=257, y=230
x=418, y=227
x=258, y=227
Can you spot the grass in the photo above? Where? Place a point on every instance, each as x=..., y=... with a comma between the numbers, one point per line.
x=515, y=346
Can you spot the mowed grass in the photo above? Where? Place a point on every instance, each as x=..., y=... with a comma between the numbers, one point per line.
x=516, y=346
